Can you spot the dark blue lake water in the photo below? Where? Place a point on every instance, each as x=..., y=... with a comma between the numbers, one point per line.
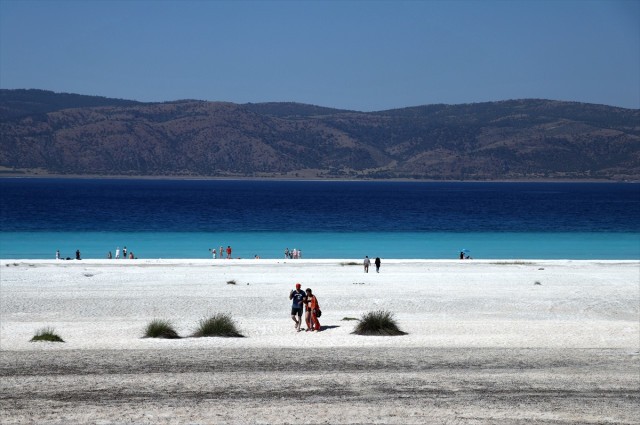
x=183, y=218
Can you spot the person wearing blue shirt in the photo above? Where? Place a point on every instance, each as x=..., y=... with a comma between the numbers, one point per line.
x=297, y=296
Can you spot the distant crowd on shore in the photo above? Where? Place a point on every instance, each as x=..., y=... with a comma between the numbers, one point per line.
x=59, y=257
x=226, y=253
x=124, y=254
x=221, y=253
x=294, y=254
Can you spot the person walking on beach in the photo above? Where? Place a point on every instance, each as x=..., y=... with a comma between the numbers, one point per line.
x=377, y=263
x=117, y=253
x=109, y=256
x=298, y=296
x=228, y=252
x=311, y=315
x=367, y=263
x=124, y=252
x=57, y=254
x=77, y=254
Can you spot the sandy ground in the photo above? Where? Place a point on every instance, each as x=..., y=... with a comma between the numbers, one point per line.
x=489, y=342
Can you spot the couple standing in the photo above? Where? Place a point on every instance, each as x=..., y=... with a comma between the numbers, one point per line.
x=367, y=263
x=305, y=299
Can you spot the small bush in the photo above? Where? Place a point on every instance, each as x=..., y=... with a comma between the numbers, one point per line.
x=378, y=323
x=159, y=328
x=46, y=334
x=217, y=325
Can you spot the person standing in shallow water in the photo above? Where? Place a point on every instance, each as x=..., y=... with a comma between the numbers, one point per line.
x=298, y=296
x=377, y=263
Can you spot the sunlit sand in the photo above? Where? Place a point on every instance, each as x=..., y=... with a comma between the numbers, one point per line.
x=491, y=341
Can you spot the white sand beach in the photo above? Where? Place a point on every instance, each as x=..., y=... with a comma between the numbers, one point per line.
x=499, y=341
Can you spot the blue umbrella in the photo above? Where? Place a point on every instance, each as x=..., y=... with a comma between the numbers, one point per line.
x=465, y=250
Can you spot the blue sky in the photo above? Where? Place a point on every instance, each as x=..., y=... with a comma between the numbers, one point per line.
x=361, y=55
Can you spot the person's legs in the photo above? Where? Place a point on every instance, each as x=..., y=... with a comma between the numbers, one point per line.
x=315, y=321
x=307, y=319
x=296, y=316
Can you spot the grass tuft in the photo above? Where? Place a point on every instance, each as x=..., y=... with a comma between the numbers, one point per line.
x=46, y=334
x=378, y=323
x=160, y=328
x=217, y=325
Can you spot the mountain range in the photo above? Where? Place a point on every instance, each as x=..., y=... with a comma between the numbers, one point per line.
x=47, y=133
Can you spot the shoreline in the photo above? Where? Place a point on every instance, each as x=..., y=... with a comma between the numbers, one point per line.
x=273, y=261
x=12, y=175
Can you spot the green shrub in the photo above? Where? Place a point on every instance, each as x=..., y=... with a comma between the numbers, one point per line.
x=159, y=328
x=46, y=334
x=217, y=325
x=378, y=323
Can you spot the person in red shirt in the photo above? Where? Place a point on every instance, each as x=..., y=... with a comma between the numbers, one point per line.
x=311, y=312
x=229, y=251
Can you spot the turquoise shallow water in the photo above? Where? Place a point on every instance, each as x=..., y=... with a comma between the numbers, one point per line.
x=184, y=219
x=411, y=245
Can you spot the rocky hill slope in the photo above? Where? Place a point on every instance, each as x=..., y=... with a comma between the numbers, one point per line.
x=64, y=134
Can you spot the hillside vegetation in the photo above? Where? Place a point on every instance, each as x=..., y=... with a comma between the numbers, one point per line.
x=66, y=134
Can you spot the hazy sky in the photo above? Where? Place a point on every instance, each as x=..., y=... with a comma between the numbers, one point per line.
x=362, y=55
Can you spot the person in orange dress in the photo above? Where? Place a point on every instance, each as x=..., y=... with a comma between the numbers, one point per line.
x=312, y=307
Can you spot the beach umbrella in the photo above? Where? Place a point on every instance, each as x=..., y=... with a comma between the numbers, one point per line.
x=465, y=250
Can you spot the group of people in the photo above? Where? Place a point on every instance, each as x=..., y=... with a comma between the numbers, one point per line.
x=367, y=263
x=58, y=257
x=124, y=254
x=222, y=252
x=293, y=254
x=305, y=300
